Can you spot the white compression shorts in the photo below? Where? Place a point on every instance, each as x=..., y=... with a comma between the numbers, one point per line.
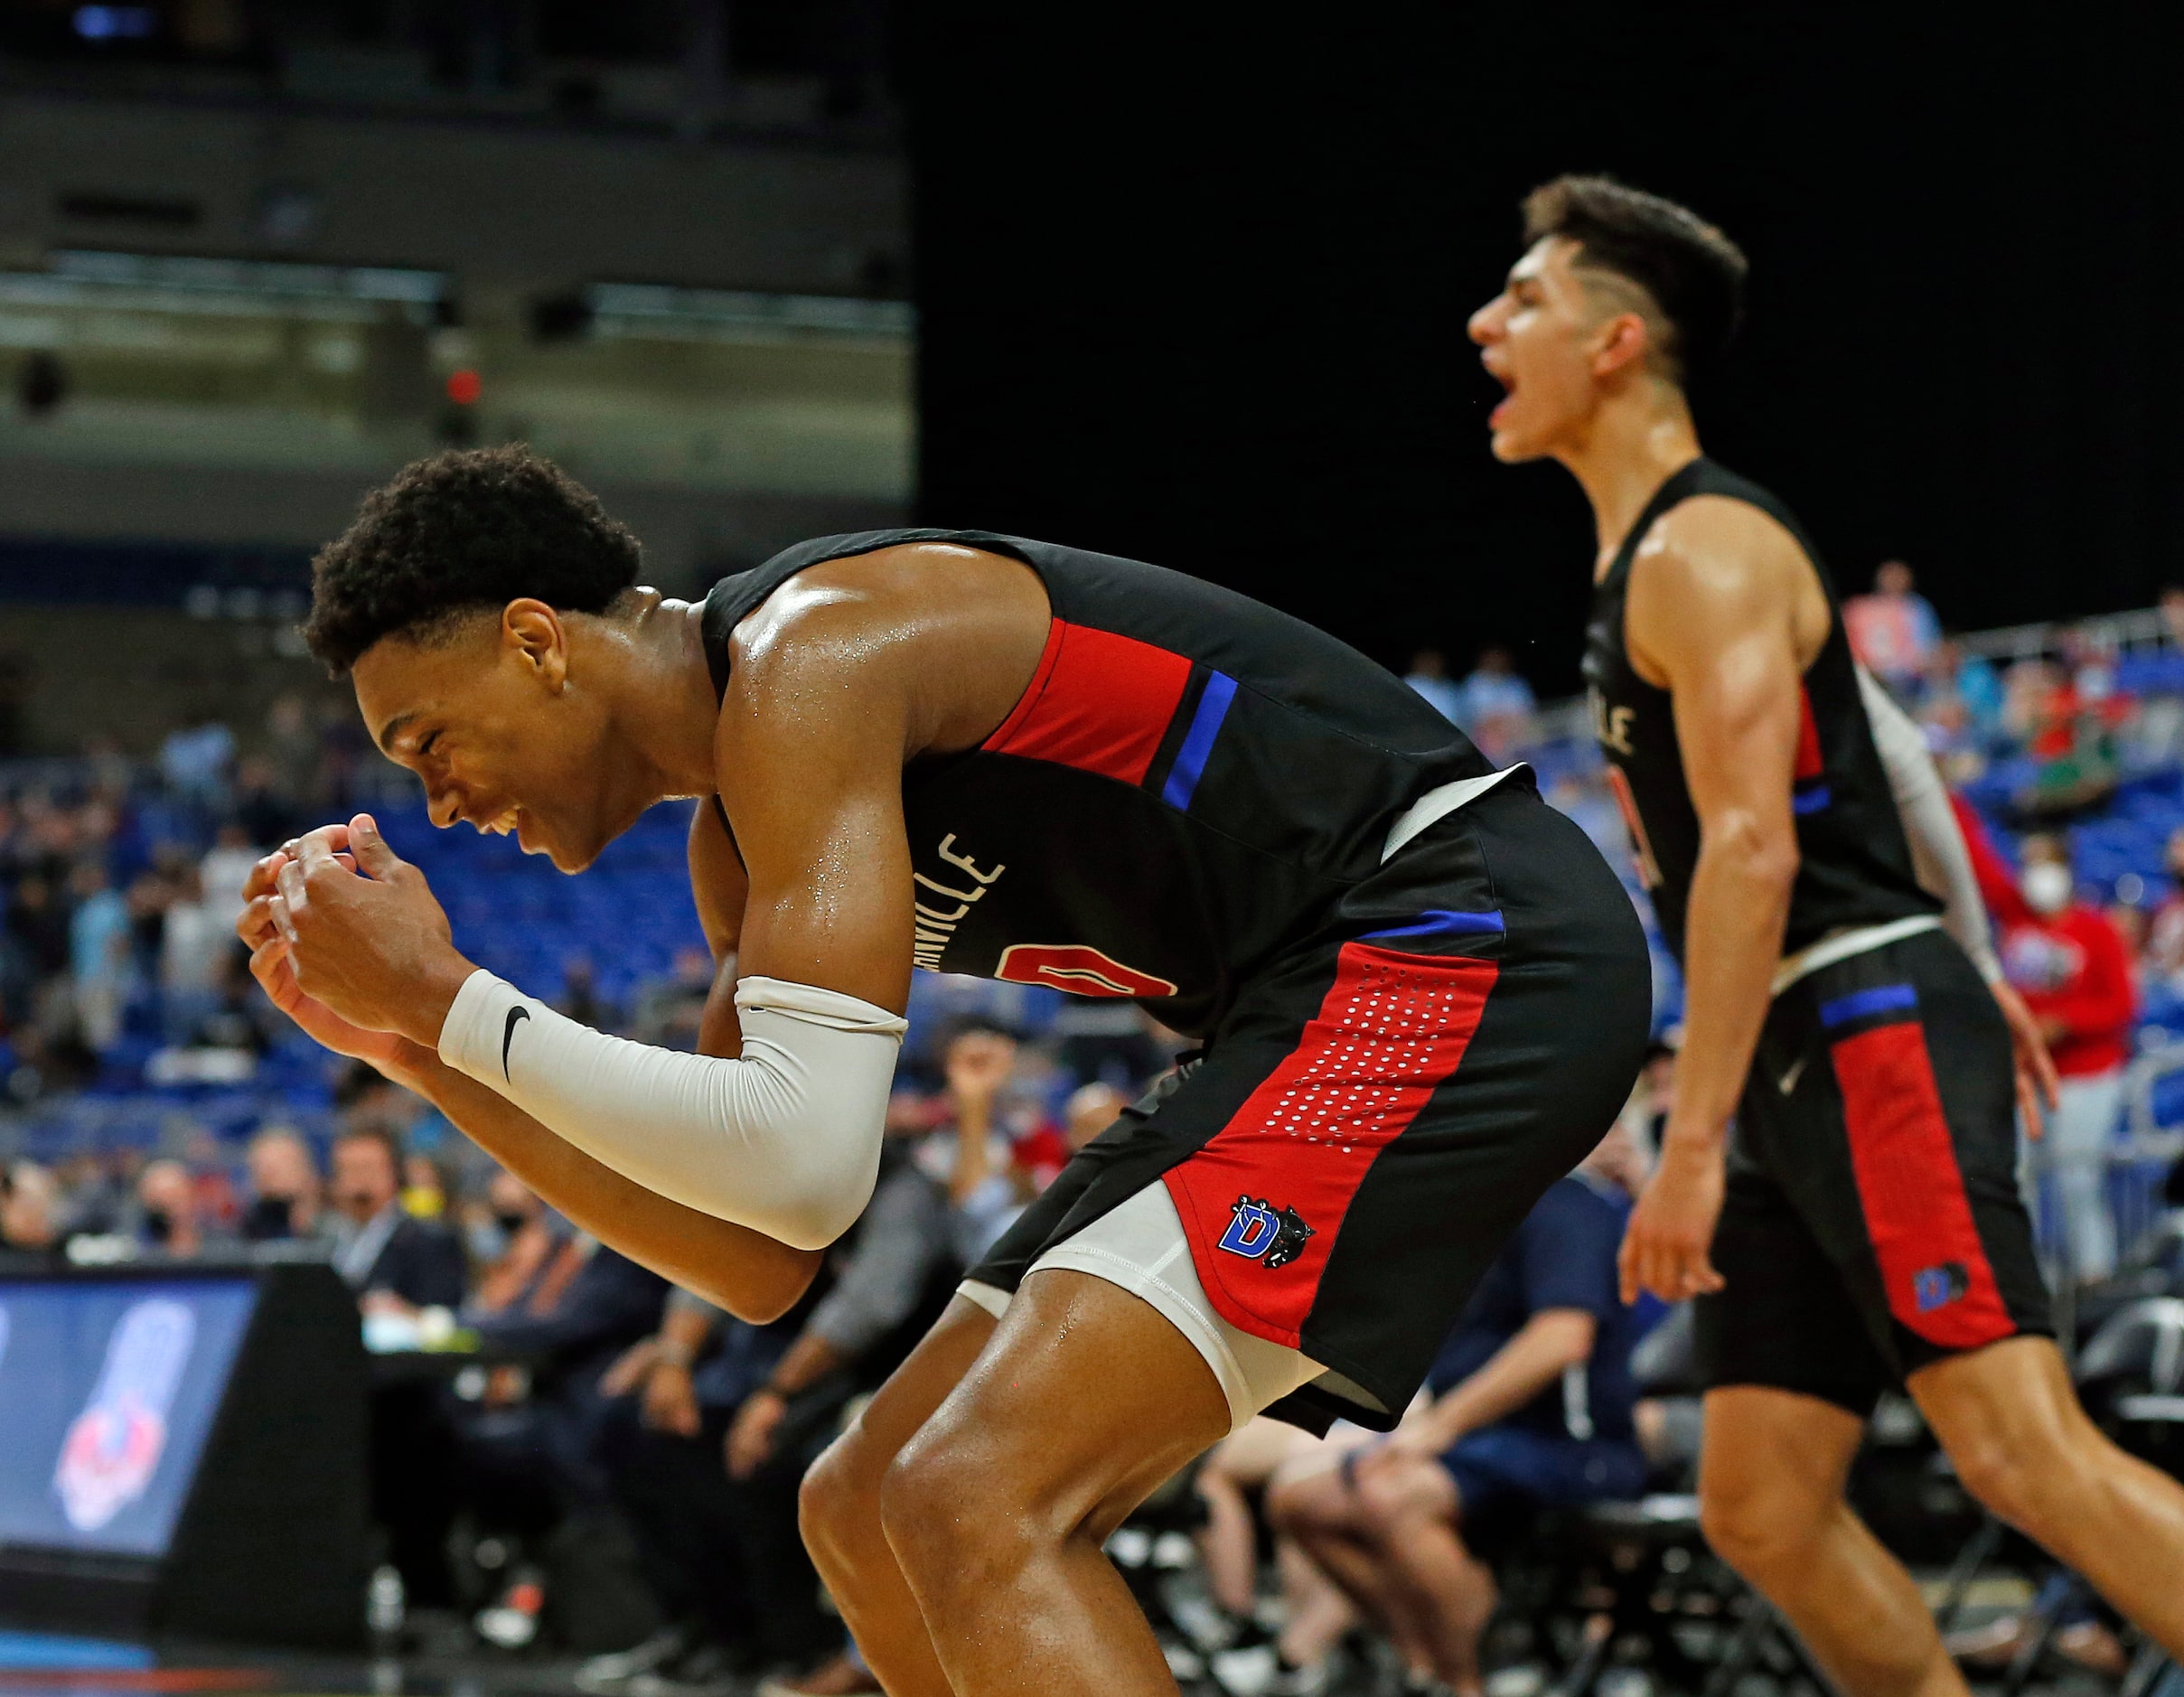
x=1140, y=1245
x=785, y=1140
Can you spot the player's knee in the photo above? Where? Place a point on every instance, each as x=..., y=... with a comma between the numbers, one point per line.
x=837, y=1505
x=941, y=1512
x=1763, y=1534
x=2023, y=1479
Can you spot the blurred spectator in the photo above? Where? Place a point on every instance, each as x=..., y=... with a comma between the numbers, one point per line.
x=224, y=870
x=196, y=937
x=1315, y=1613
x=580, y=999
x=266, y=813
x=423, y=1188
x=891, y=1272
x=169, y=1214
x=993, y=1156
x=30, y=1213
x=2164, y=957
x=722, y=1553
x=1091, y=1108
x=1893, y=630
x=98, y=954
x=394, y=1262
x=669, y=1010
x=196, y=765
x=2067, y=718
x=1429, y=675
x=2066, y=960
x=283, y=1197
x=292, y=759
x=1532, y=1408
x=1495, y=705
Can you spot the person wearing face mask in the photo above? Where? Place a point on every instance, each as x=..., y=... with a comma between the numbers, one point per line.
x=284, y=1190
x=2067, y=961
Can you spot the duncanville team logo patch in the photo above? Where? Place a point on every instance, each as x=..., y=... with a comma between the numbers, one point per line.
x=1272, y=1236
x=1077, y=967
x=1937, y=1286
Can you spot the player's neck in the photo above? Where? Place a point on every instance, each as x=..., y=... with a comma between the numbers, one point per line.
x=664, y=709
x=1633, y=445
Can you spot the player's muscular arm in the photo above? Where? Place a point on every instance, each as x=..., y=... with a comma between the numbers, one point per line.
x=1721, y=613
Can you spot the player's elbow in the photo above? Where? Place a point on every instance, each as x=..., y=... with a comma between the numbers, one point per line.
x=762, y=1301
x=1760, y=853
x=822, y=1200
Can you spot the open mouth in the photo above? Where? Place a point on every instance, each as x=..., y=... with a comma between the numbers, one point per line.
x=1501, y=409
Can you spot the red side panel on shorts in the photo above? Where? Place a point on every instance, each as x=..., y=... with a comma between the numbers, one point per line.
x=1935, y=1268
x=1099, y=702
x=1263, y=1201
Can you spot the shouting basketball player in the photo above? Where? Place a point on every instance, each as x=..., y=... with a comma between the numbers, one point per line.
x=1422, y=995
x=1790, y=827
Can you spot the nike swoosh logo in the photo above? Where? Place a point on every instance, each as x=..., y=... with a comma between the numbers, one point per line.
x=1785, y=1083
x=509, y=1035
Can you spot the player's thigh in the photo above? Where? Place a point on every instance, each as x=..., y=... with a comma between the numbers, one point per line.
x=1083, y=1401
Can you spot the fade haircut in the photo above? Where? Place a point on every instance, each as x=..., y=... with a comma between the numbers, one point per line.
x=1690, y=272
x=457, y=533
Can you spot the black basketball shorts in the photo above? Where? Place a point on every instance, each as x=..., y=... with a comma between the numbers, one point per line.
x=1383, y=1104
x=1873, y=1223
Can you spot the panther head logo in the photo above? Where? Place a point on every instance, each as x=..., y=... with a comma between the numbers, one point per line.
x=1260, y=1232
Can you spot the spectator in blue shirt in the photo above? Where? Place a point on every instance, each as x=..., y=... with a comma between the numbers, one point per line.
x=1429, y=675
x=1532, y=1400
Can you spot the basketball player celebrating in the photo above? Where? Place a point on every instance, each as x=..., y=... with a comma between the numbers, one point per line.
x=1422, y=995
x=1790, y=826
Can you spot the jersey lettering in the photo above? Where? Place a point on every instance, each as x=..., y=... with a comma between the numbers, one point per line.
x=942, y=907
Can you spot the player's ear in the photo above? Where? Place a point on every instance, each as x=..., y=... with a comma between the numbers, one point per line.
x=534, y=632
x=1621, y=343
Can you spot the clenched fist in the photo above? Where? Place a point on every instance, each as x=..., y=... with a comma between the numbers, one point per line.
x=360, y=933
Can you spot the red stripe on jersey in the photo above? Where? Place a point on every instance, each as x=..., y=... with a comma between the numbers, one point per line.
x=1933, y=1265
x=1392, y=1027
x=1099, y=702
x=1809, y=762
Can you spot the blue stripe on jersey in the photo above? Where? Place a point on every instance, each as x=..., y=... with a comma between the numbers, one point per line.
x=1439, y=922
x=1810, y=800
x=1198, y=741
x=1886, y=999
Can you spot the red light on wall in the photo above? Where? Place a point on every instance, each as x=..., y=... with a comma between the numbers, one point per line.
x=464, y=387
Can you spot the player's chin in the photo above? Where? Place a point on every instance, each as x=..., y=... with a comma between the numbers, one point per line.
x=1514, y=446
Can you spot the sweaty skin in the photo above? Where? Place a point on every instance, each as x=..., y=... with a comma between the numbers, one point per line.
x=842, y=676
x=960, y=1523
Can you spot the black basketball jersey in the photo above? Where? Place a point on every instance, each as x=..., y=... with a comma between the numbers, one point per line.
x=1188, y=784
x=1854, y=864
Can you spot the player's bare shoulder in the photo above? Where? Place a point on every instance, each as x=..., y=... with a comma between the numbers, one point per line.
x=935, y=640
x=1714, y=565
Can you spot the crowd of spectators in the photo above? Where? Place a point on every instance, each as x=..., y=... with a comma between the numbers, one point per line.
x=614, y=1468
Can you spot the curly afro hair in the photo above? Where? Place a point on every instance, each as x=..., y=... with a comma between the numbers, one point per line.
x=1693, y=272
x=460, y=531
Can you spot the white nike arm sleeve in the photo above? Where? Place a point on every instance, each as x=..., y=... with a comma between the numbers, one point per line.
x=785, y=1140
x=1939, y=854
